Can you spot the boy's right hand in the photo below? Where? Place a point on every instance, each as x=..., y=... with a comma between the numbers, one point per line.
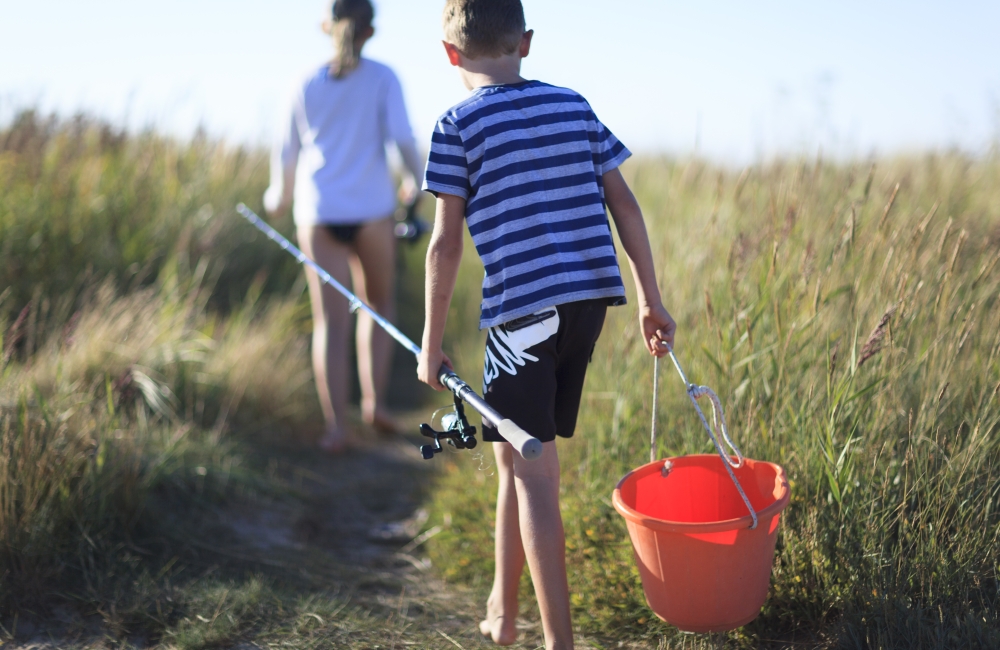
x=429, y=364
x=658, y=329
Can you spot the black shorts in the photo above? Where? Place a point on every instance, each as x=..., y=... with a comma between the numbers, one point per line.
x=345, y=233
x=535, y=366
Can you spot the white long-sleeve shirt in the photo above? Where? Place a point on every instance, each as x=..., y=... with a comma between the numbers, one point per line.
x=330, y=153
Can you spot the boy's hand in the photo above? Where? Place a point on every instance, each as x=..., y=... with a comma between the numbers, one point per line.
x=658, y=329
x=429, y=364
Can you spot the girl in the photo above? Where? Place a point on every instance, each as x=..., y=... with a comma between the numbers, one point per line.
x=330, y=158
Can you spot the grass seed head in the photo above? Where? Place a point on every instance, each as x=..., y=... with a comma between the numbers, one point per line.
x=888, y=207
x=15, y=334
x=874, y=343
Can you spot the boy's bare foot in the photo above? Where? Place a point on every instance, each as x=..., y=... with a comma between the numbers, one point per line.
x=335, y=441
x=498, y=627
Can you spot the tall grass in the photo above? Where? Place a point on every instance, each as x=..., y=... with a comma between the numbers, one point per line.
x=135, y=314
x=81, y=201
x=138, y=396
x=849, y=317
x=852, y=330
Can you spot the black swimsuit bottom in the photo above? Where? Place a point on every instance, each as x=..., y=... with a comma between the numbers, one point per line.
x=344, y=233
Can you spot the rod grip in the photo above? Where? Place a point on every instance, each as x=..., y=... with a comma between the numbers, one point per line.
x=527, y=445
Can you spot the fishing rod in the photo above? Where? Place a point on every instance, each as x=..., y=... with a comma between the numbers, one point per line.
x=458, y=432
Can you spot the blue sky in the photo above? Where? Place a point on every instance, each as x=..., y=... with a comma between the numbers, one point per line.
x=737, y=80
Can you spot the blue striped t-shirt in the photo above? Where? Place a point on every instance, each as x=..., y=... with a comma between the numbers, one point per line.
x=529, y=159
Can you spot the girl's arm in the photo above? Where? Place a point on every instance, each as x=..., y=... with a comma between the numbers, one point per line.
x=444, y=254
x=284, y=158
x=400, y=132
x=657, y=326
x=415, y=165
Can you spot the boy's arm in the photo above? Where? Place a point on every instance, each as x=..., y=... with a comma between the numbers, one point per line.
x=656, y=324
x=444, y=253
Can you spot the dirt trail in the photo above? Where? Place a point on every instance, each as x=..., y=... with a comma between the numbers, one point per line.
x=358, y=525
x=346, y=530
x=354, y=525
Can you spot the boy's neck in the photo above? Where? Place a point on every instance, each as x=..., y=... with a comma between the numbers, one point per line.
x=491, y=71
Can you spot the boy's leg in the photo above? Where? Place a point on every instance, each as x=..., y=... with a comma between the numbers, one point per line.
x=501, y=607
x=534, y=375
x=537, y=486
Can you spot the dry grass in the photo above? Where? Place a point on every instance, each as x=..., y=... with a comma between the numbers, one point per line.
x=891, y=441
x=149, y=367
x=138, y=396
x=136, y=317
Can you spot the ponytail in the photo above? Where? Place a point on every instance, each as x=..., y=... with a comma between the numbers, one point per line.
x=350, y=19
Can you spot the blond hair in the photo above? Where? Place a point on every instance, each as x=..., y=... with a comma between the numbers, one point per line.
x=351, y=18
x=489, y=28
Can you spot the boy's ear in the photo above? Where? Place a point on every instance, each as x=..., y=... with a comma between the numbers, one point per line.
x=454, y=54
x=525, y=45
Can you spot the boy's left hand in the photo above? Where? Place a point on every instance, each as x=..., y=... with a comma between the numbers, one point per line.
x=658, y=329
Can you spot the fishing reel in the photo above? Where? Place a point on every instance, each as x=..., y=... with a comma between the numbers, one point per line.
x=409, y=227
x=457, y=431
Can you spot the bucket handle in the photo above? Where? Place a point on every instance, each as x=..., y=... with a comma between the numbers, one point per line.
x=718, y=427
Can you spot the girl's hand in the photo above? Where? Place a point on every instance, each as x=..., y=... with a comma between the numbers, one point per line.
x=408, y=191
x=429, y=364
x=658, y=329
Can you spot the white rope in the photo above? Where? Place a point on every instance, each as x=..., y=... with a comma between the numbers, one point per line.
x=717, y=430
x=656, y=394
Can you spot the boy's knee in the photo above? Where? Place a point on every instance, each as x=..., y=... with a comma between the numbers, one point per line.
x=545, y=466
x=503, y=453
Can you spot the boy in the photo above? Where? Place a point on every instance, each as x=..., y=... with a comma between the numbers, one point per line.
x=529, y=168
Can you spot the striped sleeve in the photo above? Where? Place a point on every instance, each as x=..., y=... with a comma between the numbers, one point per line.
x=447, y=167
x=610, y=151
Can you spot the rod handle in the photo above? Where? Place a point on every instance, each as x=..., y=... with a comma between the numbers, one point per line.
x=527, y=445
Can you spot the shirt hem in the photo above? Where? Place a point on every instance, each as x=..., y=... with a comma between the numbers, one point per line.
x=436, y=188
x=340, y=222
x=616, y=296
x=617, y=161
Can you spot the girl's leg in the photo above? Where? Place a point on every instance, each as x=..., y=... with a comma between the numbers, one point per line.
x=501, y=608
x=374, y=272
x=331, y=331
x=537, y=486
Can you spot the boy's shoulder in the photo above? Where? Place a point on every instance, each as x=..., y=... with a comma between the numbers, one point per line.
x=489, y=100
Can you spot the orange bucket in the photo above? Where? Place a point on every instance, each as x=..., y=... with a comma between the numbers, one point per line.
x=703, y=568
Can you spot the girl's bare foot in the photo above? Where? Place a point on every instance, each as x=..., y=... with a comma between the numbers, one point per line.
x=498, y=626
x=380, y=420
x=335, y=441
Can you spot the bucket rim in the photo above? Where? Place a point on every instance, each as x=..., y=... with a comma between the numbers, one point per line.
x=663, y=525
